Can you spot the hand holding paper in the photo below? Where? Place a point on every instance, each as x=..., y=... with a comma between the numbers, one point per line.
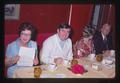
x=15, y=59
x=26, y=56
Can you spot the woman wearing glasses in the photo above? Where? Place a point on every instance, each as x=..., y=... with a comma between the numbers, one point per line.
x=26, y=32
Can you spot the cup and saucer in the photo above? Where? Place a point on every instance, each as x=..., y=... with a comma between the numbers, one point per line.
x=66, y=63
x=91, y=57
x=52, y=67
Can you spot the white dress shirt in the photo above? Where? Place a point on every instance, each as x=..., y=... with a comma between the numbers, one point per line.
x=53, y=49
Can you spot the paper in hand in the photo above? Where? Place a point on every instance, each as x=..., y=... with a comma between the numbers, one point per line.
x=26, y=56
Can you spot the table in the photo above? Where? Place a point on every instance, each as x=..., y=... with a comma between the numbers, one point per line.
x=64, y=72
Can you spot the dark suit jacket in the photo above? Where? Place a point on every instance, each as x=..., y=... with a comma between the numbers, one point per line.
x=99, y=43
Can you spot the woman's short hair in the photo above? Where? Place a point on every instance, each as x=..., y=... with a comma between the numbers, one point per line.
x=88, y=31
x=27, y=26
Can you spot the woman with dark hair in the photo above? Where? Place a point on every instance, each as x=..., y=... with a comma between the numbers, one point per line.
x=84, y=46
x=26, y=31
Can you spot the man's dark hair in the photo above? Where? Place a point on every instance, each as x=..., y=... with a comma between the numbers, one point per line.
x=66, y=26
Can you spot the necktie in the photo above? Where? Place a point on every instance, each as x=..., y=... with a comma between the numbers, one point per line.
x=105, y=42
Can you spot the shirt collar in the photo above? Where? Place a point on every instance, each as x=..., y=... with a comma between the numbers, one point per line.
x=103, y=36
x=60, y=39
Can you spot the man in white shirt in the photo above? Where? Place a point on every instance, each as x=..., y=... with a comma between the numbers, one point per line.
x=57, y=48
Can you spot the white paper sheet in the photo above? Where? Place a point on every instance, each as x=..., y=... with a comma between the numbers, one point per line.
x=26, y=56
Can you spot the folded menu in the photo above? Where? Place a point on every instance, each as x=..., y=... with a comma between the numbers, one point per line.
x=26, y=56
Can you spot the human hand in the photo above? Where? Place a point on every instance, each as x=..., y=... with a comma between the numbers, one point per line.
x=15, y=59
x=35, y=61
x=58, y=60
x=106, y=53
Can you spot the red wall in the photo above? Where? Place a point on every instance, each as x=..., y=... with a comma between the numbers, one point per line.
x=81, y=16
x=46, y=17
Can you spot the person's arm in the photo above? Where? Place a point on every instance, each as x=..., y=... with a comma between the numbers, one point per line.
x=46, y=56
x=9, y=58
x=35, y=61
x=75, y=46
x=11, y=61
x=70, y=53
x=58, y=61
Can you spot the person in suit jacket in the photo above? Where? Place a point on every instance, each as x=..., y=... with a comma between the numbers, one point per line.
x=102, y=39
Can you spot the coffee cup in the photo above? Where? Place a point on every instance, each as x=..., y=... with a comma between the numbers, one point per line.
x=112, y=52
x=66, y=63
x=96, y=66
x=92, y=56
x=52, y=67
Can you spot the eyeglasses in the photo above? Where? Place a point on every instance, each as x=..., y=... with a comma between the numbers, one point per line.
x=25, y=34
x=67, y=31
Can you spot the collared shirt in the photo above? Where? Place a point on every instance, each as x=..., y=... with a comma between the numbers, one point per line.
x=13, y=50
x=52, y=49
x=105, y=41
x=103, y=36
x=61, y=42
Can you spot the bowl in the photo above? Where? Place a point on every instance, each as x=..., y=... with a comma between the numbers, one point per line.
x=108, y=61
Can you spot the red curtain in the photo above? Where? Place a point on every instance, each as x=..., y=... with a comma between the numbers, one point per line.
x=81, y=16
